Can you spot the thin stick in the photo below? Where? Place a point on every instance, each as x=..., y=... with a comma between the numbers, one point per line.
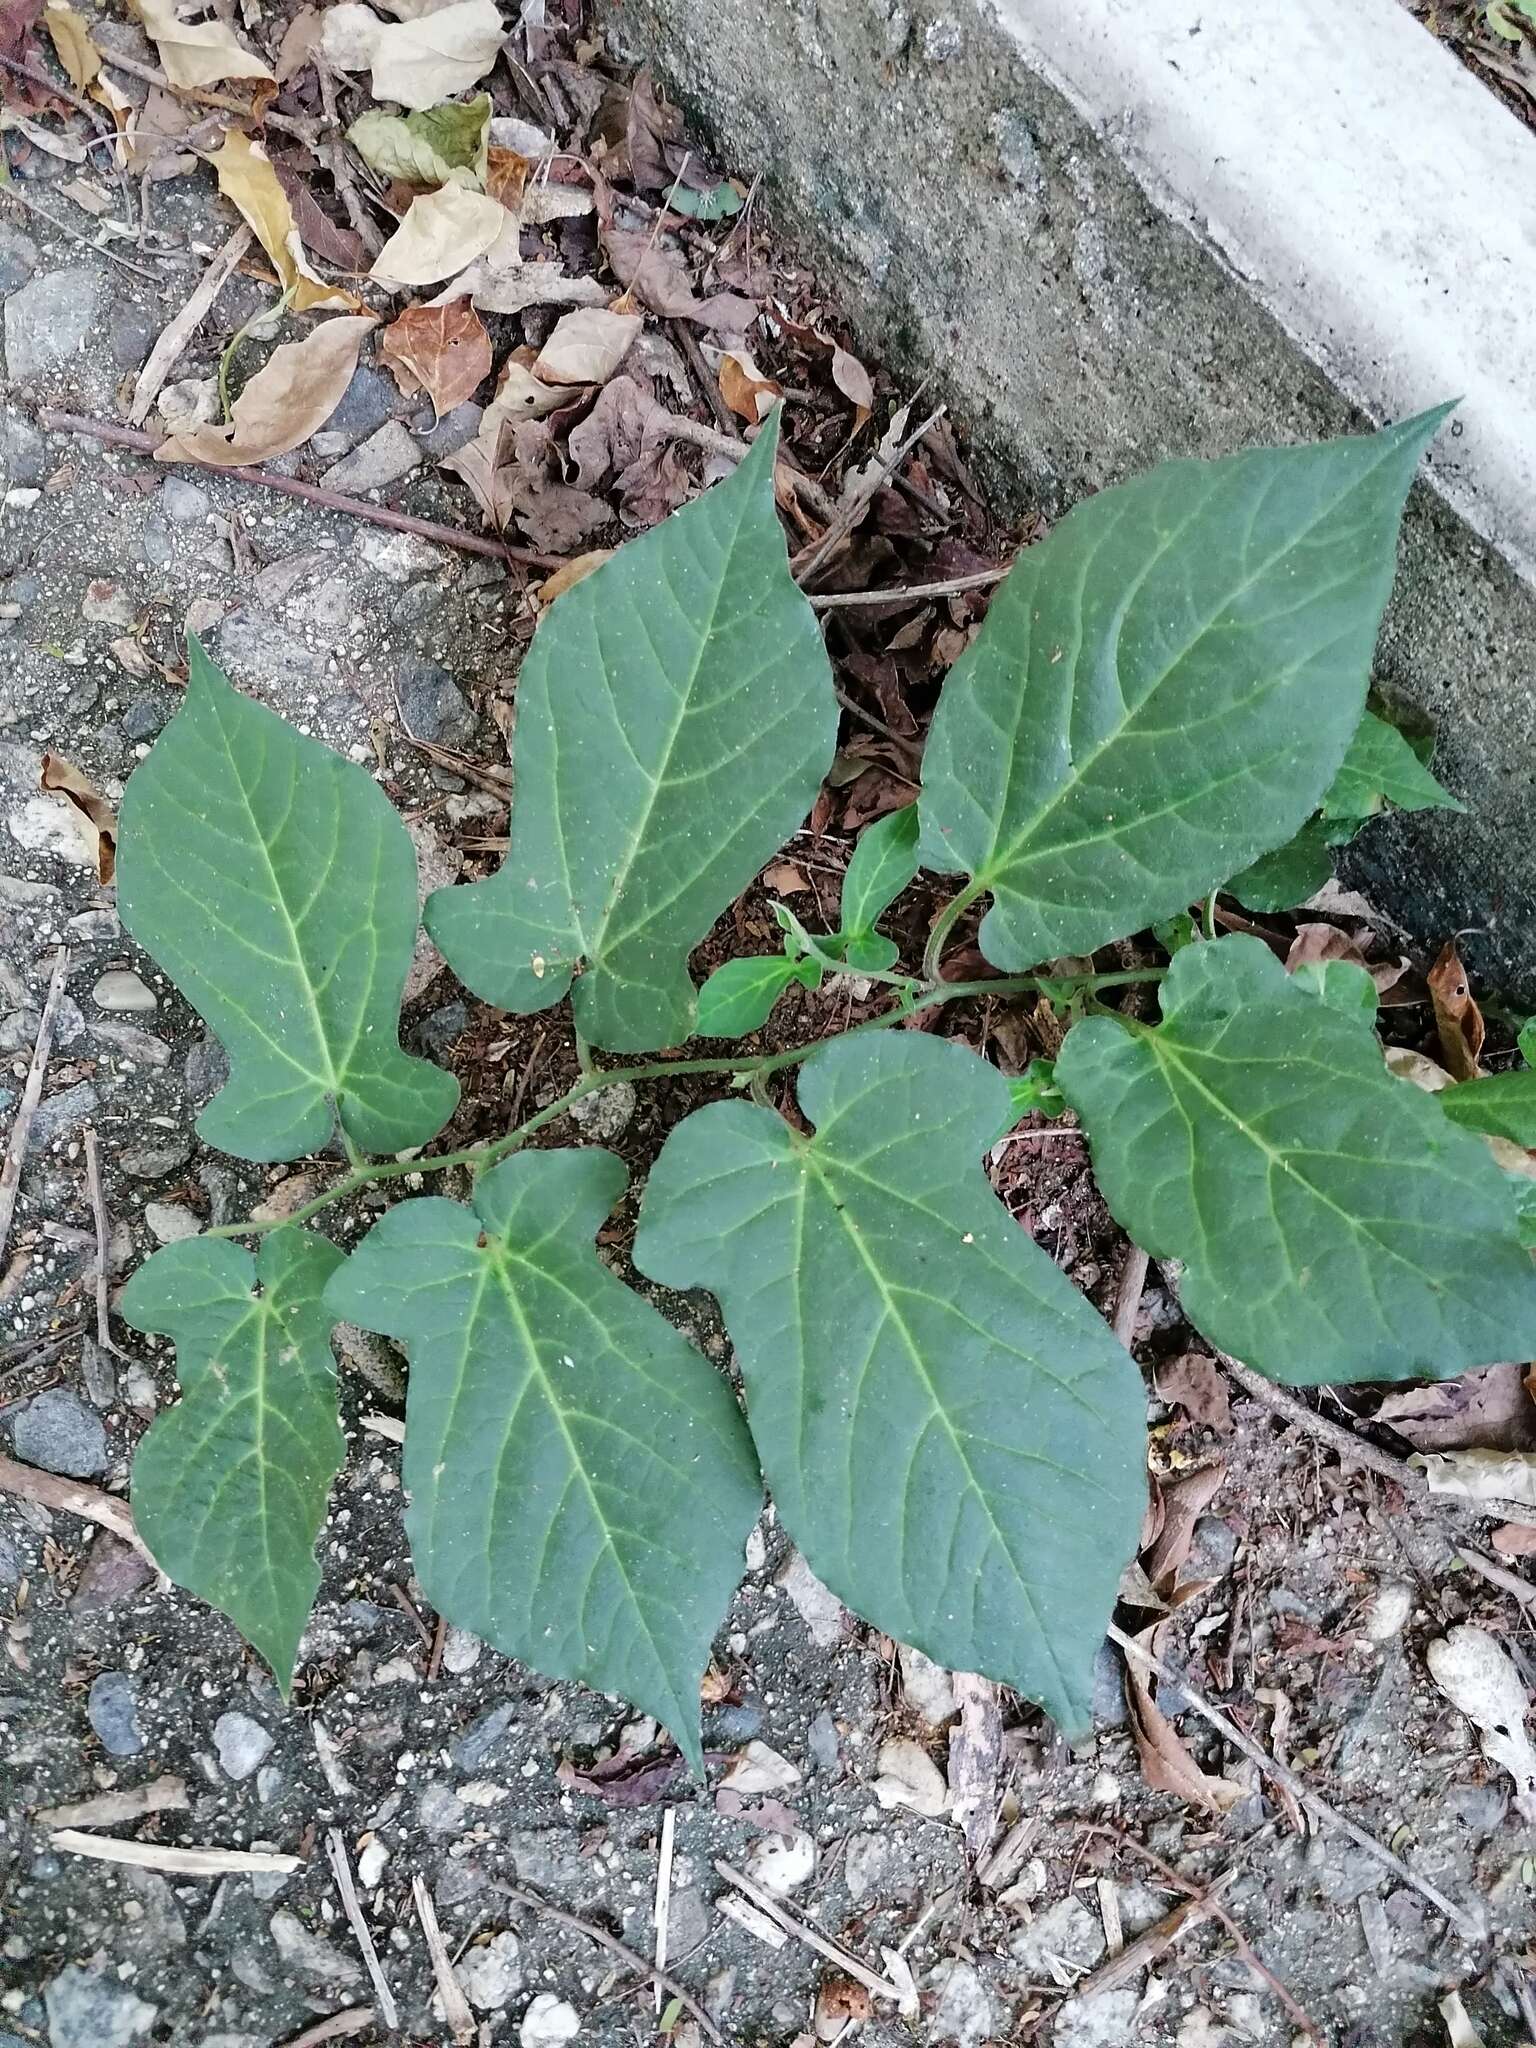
x=1281, y=1774
x=767, y=1903
x=63, y=227
x=39, y=1350
x=71, y=1497
x=166, y=353
x=103, y=1241
x=312, y=494
x=844, y=520
x=615, y=1947
x=15, y=1151
x=439, y=1637
x=1133, y=1281
x=1189, y=1914
x=176, y=1862
x=111, y=1809
x=334, y=157
x=455, y=2005
x=1353, y=1447
x=663, y=1905
x=709, y=387
x=339, y=2027
x=404, y=1603
x=914, y=593
x=341, y=1870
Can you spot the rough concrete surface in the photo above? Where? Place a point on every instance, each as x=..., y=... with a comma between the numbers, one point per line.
x=985, y=237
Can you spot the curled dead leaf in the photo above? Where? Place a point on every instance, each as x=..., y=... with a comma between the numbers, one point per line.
x=854, y=382
x=443, y=350
x=443, y=233
x=73, y=43
x=290, y=397
x=247, y=178
x=94, y=815
x=1480, y=1475
x=1198, y=1386
x=1166, y=1764
x=748, y=393
x=1478, y=1676
x=419, y=61
x=196, y=54
x=1457, y=1018
x=569, y=574
x=587, y=346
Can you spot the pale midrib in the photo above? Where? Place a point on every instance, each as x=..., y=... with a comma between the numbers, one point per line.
x=900, y=1324
x=1000, y=860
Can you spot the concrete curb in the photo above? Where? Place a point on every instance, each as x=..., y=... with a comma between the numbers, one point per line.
x=1378, y=200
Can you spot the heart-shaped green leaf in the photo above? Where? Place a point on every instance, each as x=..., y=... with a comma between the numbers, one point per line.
x=230, y=1487
x=275, y=884
x=950, y=1433
x=581, y=1480
x=1163, y=689
x=1332, y=1223
x=675, y=716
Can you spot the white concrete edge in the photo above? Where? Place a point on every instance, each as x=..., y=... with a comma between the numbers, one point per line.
x=1374, y=195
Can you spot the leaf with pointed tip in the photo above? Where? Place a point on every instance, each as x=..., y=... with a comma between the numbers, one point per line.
x=738, y=996
x=1332, y=1223
x=275, y=884
x=230, y=1487
x=950, y=1434
x=581, y=1480
x=1163, y=689
x=883, y=863
x=675, y=716
x=1382, y=767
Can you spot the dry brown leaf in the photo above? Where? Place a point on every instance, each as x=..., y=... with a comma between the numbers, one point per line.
x=1514, y=1539
x=748, y=393
x=841, y=2003
x=443, y=233
x=520, y=395
x=1315, y=943
x=1183, y=1502
x=784, y=879
x=494, y=290
x=853, y=380
x=1457, y=1018
x=1416, y=1067
x=443, y=350
x=247, y=178
x=1489, y=1409
x=569, y=574
x=1199, y=1386
x=1166, y=1765
x=506, y=176
x=301, y=39
x=290, y=397
x=417, y=62
x=195, y=54
x=94, y=814
x=73, y=42
x=587, y=346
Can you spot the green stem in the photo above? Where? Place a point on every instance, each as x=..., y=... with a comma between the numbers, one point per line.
x=478, y=1157
x=948, y=918
x=226, y=360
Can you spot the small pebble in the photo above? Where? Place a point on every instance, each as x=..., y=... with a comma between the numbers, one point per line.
x=112, y=1709
x=169, y=1222
x=57, y=1432
x=121, y=989
x=242, y=1744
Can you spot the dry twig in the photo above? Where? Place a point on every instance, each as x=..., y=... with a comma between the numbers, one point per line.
x=455, y=2005
x=110, y=1809
x=1133, y=1280
x=777, y=1913
x=103, y=1242
x=615, y=1947
x=175, y=1862
x=844, y=521
x=339, y=2027
x=913, y=593
x=31, y=1094
x=74, y=234
x=166, y=353
x=661, y=1913
x=341, y=1870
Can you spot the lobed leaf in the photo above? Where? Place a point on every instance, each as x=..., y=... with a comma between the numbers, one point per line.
x=950, y=1433
x=1333, y=1225
x=581, y=1482
x=275, y=884
x=675, y=718
x=1163, y=689
x=230, y=1487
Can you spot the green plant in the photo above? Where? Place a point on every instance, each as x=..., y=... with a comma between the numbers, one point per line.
x=1165, y=690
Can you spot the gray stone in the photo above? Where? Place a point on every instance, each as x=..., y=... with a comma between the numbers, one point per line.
x=55, y=1430
x=48, y=320
x=434, y=707
x=24, y=454
x=90, y=2010
x=455, y=430
x=382, y=459
x=1104, y=2019
x=436, y=1033
x=140, y=1046
x=60, y=1114
x=144, y=718
x=98, y=1372
x=121, y=989
x=865, y=1862
x=440, y=1810
x=18, y=258
x=1109, y=1708
x=368, y=401
x=942, y=41
x=1017, y=150
x=155, y=1161
x=738, y=1722
x=155, y=540
x=1067, y=1930
x=207, y=1069
x=605, y=1115
x=963, y=2013
x=492, y=1975
x=183, y=500
x=12, y=1564
x=112, y=1707
x=253, y=646
x=243, y=1745
x=170, y=1222
x=133, y=332
x=310, y=1955
x=821, y=1741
